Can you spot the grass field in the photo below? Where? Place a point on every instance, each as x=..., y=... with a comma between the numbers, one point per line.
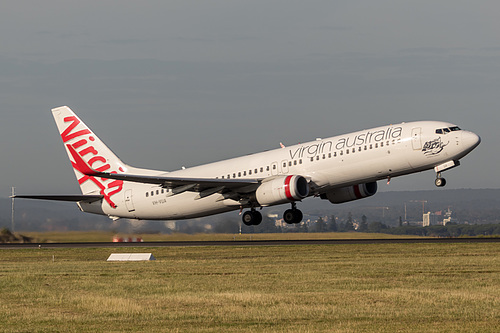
x=309, y=288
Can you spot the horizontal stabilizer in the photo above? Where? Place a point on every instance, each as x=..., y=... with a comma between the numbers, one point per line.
x=62, y=197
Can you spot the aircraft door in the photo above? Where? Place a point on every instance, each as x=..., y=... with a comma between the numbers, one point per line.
x=128, y=201
x=416, y=140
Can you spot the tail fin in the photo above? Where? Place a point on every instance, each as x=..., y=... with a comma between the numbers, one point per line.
x=80, y=138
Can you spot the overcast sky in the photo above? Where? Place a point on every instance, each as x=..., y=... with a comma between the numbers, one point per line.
x=180, y=83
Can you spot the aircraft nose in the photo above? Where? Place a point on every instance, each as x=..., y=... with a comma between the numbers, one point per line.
x=470, y=140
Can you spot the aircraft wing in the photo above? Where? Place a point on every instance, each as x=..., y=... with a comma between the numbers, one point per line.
x=178, y=184
x=170, y=182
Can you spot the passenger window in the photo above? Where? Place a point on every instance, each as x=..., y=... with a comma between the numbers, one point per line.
x=300, y=161
x=347, y=151
x=239, y=174
x=255, y=170
x=152, y=193
x=312, y=159
x=234, y=175
x=249, y=172
x=317, y=158
x=295, y=162
x=244, y=173
x=290, y=163
x=147, y=194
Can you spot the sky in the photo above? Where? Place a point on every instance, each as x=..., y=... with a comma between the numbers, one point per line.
x=168, y=84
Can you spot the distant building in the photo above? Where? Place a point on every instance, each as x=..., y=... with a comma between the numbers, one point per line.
x=429, y=219
x=172, y=225
x=447, y=216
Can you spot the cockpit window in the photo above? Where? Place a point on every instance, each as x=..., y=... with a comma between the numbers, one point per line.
x=447, y=130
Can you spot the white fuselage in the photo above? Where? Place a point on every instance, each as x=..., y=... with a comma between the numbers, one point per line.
x=335, y=162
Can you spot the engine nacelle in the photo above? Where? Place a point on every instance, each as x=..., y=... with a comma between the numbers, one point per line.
x=350, y=193
x=282, y=190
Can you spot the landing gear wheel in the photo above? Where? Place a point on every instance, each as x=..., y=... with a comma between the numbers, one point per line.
x=440, y=182
x=292, y=216
x=288, y=216
x=257, y=218
x=251, y=217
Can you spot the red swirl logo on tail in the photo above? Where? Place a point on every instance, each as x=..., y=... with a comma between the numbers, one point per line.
x=83, y=147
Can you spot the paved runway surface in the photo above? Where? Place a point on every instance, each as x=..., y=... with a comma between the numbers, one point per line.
x=251, y=243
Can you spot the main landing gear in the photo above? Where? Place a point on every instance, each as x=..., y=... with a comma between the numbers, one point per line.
x=290, y=216
x=251, y=217
x=293, y=215
x=440, y=181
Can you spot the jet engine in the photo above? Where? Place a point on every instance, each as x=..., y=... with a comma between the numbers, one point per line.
x=350, y=193
x=282, y=190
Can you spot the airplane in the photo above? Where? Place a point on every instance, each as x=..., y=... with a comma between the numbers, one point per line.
x=338, y=169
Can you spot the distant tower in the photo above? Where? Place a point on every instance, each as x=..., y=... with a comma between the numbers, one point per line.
x=423, y=204
x=12, y=213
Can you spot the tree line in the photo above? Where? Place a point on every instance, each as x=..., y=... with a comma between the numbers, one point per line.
x=334, y=225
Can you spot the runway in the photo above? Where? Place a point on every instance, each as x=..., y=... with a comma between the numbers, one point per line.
x=249, y=243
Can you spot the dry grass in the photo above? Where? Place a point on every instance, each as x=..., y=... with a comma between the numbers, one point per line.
x=341, y=288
